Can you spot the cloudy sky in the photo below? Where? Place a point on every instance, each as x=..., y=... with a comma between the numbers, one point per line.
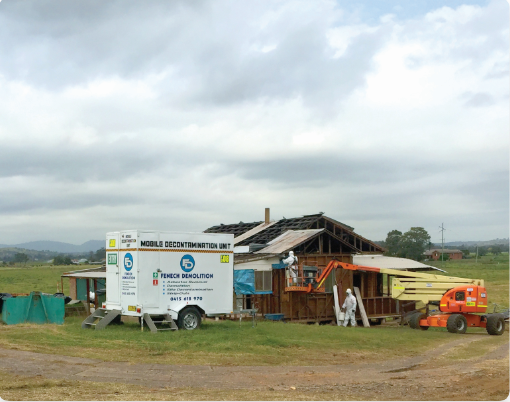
x=181, y=115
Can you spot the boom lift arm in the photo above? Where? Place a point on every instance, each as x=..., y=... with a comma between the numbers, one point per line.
x=408, y=285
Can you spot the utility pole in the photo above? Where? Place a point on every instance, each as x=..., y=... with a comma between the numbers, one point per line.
x=476, y=254
x=442, y=244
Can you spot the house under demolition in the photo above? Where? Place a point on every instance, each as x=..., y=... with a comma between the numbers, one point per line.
x=260, y=280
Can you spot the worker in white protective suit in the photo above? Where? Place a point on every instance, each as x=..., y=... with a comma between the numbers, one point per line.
x=350, y=309
x=292, y=265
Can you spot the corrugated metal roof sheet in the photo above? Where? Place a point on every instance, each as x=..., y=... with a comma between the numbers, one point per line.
x=289, y=240
x=381, y=261
x=91, y=275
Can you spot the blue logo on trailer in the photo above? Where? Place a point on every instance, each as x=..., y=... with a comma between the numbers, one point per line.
x=187, y=263
x=128, y=262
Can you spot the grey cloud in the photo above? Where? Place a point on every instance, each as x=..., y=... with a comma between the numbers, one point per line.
x=320, y=170
x=207, y=53
x=61, y=43
x=67, y=196
x=100, y=162
x=299, y=66
x=499, y=70
x=478, y=99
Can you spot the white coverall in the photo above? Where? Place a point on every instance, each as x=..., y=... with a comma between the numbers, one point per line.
x=291, y=262
x=350, y=310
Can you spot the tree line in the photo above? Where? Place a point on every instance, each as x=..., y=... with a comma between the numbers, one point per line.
x=60, y=259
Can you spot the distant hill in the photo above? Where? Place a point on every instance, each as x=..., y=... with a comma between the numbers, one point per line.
x=473, y=243
x=59, y=247
x=8, y=254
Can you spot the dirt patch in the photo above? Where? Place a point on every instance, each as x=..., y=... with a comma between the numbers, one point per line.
x=424, y=377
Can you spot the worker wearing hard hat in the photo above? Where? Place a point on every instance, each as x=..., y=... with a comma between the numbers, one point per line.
x=350, y=309
x=291, y=262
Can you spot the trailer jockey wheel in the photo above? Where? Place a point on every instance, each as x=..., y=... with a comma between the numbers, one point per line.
x=495, y=324
x=189, y=318
x=456, y=324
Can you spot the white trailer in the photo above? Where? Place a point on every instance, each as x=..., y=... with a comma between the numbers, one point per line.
x=177, y=277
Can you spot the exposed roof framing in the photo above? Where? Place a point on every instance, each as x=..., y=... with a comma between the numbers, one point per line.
x=236, y=229
x=342, y=233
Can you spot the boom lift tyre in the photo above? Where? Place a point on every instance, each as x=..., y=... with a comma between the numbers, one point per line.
x=414, y=321
x=189, y=318
x=456, y=324
x=495, y=324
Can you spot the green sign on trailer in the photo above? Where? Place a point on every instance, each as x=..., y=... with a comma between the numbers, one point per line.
x=36, y=308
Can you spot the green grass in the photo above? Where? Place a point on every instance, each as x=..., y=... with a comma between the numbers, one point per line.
x=224, y=342
x=35, y=278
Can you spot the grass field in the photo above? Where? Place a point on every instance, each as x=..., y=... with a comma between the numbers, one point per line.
x=43, y=278
x=226, y=342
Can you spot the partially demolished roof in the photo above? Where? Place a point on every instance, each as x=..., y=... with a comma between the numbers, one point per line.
x=341, y=234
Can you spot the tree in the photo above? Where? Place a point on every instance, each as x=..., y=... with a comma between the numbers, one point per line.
x=58, y=260
x=414, y=242
x=393, y=243
x=100, y=254
x=62, y=260
x=482, y=251
x=21, y=258
x=495, y=250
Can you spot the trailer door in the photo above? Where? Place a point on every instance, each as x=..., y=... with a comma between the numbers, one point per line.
x=149, y=280
x=112, y=267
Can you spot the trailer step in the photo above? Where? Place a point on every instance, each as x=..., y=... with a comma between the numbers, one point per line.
x=152, y=324
x=104, y=320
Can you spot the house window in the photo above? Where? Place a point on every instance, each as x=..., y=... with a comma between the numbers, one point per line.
x=263, y=281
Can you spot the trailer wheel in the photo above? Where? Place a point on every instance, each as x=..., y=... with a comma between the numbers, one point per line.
x=456, y=324
x=495, y=324
x=189, y=319
x=414, y=321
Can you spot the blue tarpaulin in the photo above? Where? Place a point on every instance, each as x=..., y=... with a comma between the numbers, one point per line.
x=244, y=283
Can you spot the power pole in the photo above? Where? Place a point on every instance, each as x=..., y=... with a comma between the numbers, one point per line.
x=442, y=244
